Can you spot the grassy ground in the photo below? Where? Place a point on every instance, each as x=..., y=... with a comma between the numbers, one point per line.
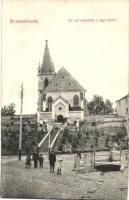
x=19, y=182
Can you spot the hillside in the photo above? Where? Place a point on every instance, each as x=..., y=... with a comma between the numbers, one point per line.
x=105, y=134
x=72, y=139
x=10, y=128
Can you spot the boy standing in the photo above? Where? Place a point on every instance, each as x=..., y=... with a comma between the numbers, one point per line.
x=41, y=159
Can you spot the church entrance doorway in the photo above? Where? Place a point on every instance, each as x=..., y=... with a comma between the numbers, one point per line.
x=60, y=119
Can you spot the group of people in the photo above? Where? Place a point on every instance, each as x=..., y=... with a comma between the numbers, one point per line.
x=38, y=158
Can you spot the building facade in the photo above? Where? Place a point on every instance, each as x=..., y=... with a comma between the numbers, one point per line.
x=122, y=106
x=60, y=97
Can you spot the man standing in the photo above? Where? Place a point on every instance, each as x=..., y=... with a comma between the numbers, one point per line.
x=52, y=160
x=35, y=158
x=41, y=159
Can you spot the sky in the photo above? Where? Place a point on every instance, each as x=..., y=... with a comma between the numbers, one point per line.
x=88, y=38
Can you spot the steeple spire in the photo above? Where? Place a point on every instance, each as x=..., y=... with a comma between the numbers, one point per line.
x=47, y=65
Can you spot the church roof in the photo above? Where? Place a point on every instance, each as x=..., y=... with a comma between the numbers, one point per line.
x=60, y=97
x=63, y=81
x=47, y=65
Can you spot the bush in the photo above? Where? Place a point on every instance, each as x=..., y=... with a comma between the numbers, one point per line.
x=75, y=141
x=63, y=141
x=69, y=138
x=66, y=132
x=106, y=141
x=79, y=135
x=74, y=145
x=10, y=139
x=60, y=147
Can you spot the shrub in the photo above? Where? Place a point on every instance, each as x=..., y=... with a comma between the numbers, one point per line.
x=63, y=140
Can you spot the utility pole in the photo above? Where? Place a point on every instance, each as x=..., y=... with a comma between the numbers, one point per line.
x=20, y=136
x=93, y=126
x=49, y=130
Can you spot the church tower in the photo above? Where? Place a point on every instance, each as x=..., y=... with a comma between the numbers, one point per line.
x=46, y=71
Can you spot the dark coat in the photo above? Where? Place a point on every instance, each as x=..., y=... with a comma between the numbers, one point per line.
x=52, y=158
x=41, y=159
x=35, y=156
x=28, y=161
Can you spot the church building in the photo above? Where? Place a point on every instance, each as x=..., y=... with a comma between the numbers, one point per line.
x=60, y=97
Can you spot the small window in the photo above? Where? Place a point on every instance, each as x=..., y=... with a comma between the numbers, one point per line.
x=76, y=101
x=60, y=108
x=69, y=83
x=46, y=82
x=126, y=110
x=56, y=84
x=50, y=100
x=44, y=97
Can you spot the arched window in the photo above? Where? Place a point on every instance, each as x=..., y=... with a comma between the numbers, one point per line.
x=49, y=101
x=46, y=82
x=76, y=101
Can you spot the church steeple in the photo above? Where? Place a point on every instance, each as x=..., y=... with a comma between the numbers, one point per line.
x=47, y=65
x=46, y=72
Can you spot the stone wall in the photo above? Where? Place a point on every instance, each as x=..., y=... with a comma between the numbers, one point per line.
x=103, y=118
x=44, y=116
x=74, y=115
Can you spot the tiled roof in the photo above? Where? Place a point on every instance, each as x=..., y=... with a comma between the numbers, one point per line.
x=63, y=81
